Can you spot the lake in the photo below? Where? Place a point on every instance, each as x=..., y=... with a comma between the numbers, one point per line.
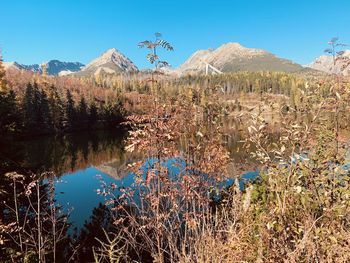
x=80, y=161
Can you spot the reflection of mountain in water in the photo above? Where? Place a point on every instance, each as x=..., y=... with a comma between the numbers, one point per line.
x=116, y=168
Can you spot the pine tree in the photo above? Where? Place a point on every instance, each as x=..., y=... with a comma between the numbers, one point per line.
x=93, y=115
x=3, y=85
x=9, y=113
x=36, y=107
x=28, y=108
x=44, y=115
x=36, y=110
x=113, y=113
x=82, y=112
x=9, y=118
x=56, y=109
x=70, y=110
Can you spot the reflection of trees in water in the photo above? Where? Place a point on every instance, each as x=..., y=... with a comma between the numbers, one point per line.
x=62, y=154
x=106, y=222
x=102, y=149
x=38, y=225
x=93, y=228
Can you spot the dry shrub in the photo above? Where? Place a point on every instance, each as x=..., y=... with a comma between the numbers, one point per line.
x=297, y=211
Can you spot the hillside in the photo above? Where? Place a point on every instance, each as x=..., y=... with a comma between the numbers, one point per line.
x=232, y=57
x=326, y=64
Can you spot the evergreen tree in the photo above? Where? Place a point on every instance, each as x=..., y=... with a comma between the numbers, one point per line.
x=3, y=85
x=36, y=105
x=9, y=113
x=28, y=109
x=82, y=112
x=93, y=115
x=56, y=109
x=43, y=110
x=36, y=110
x=70, y=110
x=113, y=113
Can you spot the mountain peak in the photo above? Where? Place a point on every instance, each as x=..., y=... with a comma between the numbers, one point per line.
x=326, y=64
x=231, y=45
x=108, y=56
x=233, y=56
x=110, y=52
x=236, y=49
x=111, y=61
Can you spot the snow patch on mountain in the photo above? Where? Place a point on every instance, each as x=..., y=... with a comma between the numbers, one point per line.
x=65, y=73
x=53, y=67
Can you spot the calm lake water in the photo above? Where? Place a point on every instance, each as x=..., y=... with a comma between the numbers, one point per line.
x=79, y=162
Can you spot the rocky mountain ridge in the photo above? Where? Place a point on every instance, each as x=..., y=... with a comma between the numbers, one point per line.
x=235, y=57
x=53, y=67
x=111, y=61
x=229, y=57
x=339, y=65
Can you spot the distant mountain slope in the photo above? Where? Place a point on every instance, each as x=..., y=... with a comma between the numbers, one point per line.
x=53, y=67
x=15, y=65
x=234, y=57
x=326, y=64
x=111, y=61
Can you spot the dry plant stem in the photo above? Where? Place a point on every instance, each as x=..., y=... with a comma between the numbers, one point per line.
x=17, y=214
x=39, y=222
x=39, y=226
x=53, y=216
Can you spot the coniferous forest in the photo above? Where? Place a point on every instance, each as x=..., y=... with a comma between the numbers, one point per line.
x=46, y=111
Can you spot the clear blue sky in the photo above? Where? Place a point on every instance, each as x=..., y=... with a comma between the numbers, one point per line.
x=32, y=31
